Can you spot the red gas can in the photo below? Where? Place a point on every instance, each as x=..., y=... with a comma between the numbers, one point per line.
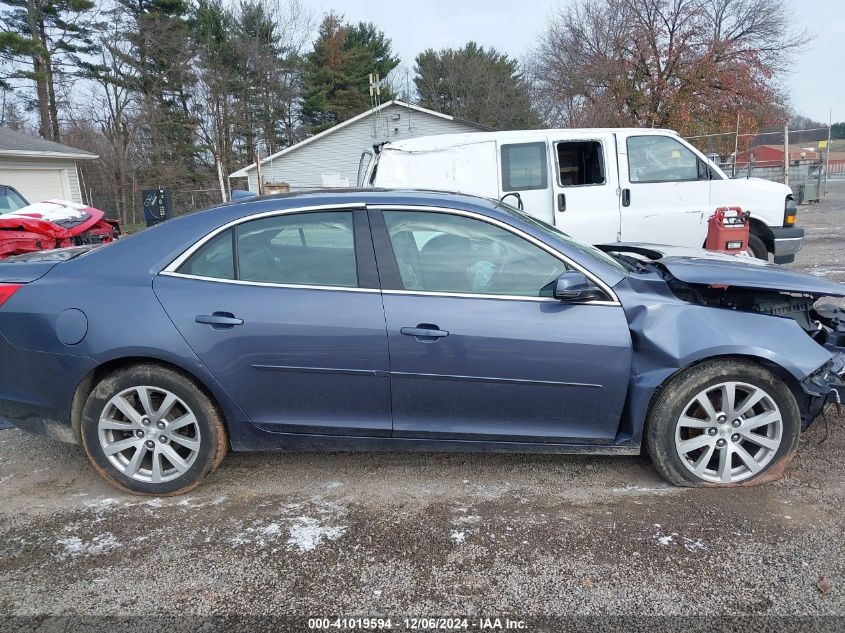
x=728, y=230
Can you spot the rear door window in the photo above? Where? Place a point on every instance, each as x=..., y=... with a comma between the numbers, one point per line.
x=524, y=167
x=580, y=163
x=303, y=248
x=215, y=259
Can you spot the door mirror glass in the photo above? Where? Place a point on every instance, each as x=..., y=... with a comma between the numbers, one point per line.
x=574, y=287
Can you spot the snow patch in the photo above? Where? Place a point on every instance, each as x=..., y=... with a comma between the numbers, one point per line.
x=75, y=546
x=458, y=537
x=101, y=504
x=307, y=533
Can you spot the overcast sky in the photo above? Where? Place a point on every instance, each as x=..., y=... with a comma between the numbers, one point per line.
x=817, y=83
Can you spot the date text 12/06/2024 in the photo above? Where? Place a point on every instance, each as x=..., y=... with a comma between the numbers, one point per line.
x=418, y=624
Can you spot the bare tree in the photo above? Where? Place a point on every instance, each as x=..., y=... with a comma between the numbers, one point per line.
x=687, y=64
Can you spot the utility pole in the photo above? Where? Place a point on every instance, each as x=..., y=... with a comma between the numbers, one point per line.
x=258, y=171
x=827, y=153
x=736, y=146
x=786, y=154
x=375, y=99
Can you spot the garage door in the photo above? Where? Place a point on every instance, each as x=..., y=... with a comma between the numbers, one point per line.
x=37, y=184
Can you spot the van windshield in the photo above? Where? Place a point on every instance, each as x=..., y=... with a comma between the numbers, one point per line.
x=586, y=249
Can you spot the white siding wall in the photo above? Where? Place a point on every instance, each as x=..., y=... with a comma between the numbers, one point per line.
x=39, y=179
x=340, y=151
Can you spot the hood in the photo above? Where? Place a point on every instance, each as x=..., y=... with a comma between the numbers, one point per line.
x=58, y=219
x=698, y=266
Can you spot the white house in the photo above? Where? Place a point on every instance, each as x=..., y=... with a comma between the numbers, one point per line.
x=40, y=169
x=330, y=158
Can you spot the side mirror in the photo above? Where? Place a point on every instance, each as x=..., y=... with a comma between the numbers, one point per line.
x=574, y=287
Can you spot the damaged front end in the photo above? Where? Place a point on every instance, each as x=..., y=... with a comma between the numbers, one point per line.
x=751, y=286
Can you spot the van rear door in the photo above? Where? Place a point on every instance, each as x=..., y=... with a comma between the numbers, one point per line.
x=586, y=187
x=665, y=191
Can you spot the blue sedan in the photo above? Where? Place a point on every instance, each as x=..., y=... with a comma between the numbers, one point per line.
x=384, y=320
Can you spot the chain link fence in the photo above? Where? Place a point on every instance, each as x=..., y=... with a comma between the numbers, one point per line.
x=797, y=157
x=129, y=209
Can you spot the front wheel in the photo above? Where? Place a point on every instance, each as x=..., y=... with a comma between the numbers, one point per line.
x=758, y=247
x=723, y=422
x=148, y=429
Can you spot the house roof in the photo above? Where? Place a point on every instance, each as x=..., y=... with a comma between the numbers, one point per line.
x=15, y=143
x=244, y=171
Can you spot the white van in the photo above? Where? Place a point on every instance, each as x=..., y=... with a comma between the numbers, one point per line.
x=598, y=185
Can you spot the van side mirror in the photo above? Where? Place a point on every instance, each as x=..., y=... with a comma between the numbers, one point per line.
x=574, y=287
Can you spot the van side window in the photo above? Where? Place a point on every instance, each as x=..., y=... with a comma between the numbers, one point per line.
x=660, y=159
x=580, y=163
x=524, y=166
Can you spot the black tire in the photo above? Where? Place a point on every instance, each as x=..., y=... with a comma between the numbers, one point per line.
x=672, y=399
x=758, y=247
x=209, y=430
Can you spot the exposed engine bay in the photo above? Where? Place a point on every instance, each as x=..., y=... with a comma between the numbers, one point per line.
x=729, y=290
x=820, y=323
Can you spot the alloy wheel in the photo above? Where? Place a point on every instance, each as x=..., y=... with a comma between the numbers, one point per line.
x=728, y=432
x=149, y=434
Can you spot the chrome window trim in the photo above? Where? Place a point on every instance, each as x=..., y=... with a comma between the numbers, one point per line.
x=171, y=269
x=468, y=295
x=266, y=284
x=172, y=266
x=614, y=300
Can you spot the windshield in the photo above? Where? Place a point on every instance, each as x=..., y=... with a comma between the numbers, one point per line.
x=10, y=200
x=586, y=249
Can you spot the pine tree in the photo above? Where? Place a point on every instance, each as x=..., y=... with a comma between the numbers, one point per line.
x=44, y=40
x=472, y=83
x=336, y=80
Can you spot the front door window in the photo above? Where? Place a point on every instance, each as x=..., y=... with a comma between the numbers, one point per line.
x=439, y=252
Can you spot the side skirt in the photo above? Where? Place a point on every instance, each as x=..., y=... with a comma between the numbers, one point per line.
x=297, y=442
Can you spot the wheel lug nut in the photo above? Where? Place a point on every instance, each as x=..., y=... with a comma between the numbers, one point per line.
x=139, y=433
x=145, y=421
x=721, y=418
x=162, y=439
x=737, y=423
x=161, y=425
x=735, y=437
x=711, y=431
x=720, y=442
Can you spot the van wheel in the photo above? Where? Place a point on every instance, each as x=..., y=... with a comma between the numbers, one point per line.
x=149, y=430
x=723, y=422
x=758, y=247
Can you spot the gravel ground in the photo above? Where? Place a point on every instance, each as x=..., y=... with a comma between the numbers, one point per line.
x=419, y=534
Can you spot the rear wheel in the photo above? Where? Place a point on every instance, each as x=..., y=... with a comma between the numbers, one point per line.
x=149, y=430
x=723, y=422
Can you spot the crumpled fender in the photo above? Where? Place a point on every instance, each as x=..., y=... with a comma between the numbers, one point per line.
x=57, y=219
x=668, y=334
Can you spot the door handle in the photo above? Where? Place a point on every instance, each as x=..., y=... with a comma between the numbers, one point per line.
x=219, y=320
x=423, y=331
x=626, y=197
x=561, y=202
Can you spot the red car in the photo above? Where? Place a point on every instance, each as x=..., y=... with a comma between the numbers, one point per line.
x=49, y=224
